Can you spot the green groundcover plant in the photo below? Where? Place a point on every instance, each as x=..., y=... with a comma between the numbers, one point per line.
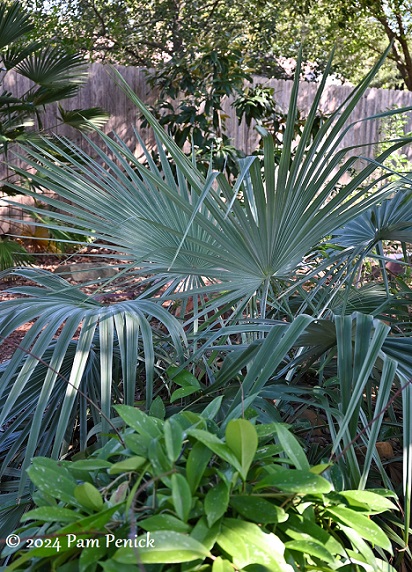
x=178, y=495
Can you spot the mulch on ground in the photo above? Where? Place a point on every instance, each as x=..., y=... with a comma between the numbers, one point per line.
x=51, y=263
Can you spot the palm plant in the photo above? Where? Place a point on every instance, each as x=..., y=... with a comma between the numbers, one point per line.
x=55, y=75
x=253, y=260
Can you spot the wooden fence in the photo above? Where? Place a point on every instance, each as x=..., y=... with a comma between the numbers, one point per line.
x=100, y=90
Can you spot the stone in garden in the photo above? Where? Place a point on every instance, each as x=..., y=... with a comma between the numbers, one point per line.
x=86, y=271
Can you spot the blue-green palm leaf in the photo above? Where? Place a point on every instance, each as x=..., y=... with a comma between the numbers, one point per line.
x=31, y=380
x=391, y=220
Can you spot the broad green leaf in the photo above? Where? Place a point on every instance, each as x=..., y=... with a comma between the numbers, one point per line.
x=258, y=509
x=88, y=496
x=299, y=528
x=173, y=439
x=268, y=452
x=220, y=565
x=139, y=421
x=204, y=534
x=360, y=545
x=242, y=439
x=257, y=568
x=247, y=544
x=159, y=461
x=90, y=465
x=183, y=392
x=157, y=408
x=295, y=481
x=187, y=419
x=43, y=499
x=52, y=479
x=319, y=469
x=232, y=544
x=216, y=502
x=196, y=464
x=311, y=547
x=120, y=493
x=363, y=525
x=51, y=514
x=181, y=495
x=266, y=430
x=93, y=522
x=217, y=446
x=383, y=566
x=359, y=560
x=164, y=522
x=138, y=444
x=212, y=409
x=372, y=502
x=90, y=555
x=184, y=378
x=193, y=420
x=129, y=465
x=292, y=447
x=112, y=566
x=167, y=546
x=388, y=493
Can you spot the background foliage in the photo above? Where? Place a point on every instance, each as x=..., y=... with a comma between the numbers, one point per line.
x=264, y=32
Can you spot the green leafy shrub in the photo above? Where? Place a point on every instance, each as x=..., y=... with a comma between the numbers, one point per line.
x=178, y=495
x=12, y=253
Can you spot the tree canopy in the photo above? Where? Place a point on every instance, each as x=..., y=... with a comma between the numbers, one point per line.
x=150, y=32
x=360, y=30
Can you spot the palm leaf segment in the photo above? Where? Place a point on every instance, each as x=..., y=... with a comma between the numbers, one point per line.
x=390, y=221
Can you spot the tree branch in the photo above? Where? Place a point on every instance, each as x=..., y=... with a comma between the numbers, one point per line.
x=393, y=37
